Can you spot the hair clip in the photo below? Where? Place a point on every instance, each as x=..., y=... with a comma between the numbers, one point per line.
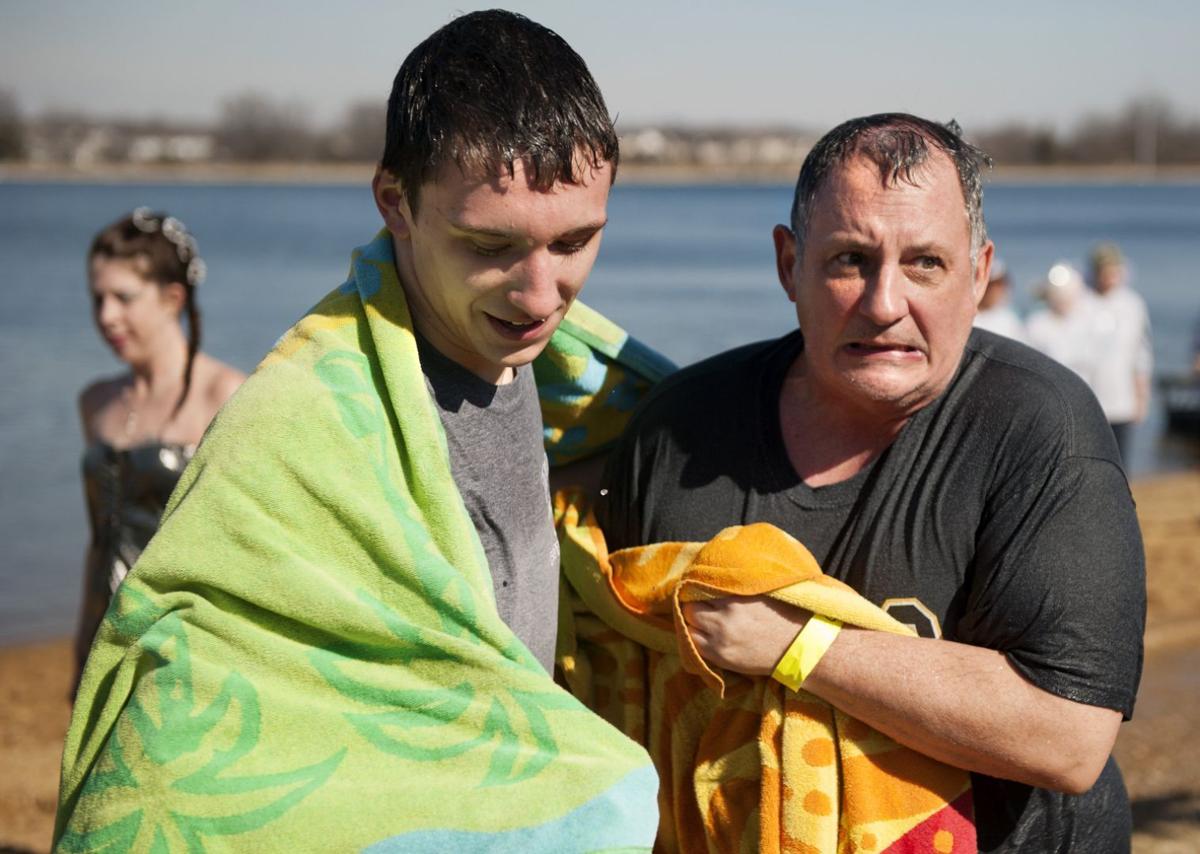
x=176, y=232
x=144, y=220
x=197, y=270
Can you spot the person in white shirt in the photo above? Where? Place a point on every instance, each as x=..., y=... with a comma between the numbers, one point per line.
x=1124, y=360
x=995, y=312
x=1063, y=329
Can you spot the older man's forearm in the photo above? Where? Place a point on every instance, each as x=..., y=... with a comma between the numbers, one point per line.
x=966, y=706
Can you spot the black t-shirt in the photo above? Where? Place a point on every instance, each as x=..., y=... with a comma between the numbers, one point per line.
x=999, y=517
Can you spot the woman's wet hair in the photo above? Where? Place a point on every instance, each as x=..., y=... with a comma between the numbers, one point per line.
x=493, y=88
x=160, y=249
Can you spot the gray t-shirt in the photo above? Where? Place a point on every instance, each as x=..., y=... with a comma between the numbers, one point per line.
x=499, y=466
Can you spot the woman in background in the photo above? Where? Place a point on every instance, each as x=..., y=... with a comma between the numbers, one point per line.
x=141, y=427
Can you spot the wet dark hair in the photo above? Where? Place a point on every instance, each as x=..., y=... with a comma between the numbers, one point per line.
x=494, y=87
x=160, y=249
x=899, y=145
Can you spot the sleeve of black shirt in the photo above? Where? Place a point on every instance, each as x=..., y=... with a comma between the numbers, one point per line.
x=1059, y=583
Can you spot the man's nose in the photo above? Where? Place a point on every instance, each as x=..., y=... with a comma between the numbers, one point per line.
x=537, y=293
x=884, y=299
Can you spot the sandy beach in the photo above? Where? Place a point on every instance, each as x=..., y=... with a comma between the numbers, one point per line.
x=1156, y=750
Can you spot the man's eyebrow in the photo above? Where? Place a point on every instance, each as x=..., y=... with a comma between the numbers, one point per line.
x=928, y=248
x=478, y=232
x=590, y=228
x=472, y=231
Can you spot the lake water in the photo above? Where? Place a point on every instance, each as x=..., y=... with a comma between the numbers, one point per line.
x=689, y=269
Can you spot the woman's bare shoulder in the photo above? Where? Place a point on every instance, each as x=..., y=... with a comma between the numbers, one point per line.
x=218, y=380
x=98, y=394
x=97, y=397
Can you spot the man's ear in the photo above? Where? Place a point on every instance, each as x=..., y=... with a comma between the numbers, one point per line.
x=391, y=203
x=785, y=259
x=983, y=270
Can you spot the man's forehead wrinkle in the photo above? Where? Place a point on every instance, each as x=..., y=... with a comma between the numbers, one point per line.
x=848, y=226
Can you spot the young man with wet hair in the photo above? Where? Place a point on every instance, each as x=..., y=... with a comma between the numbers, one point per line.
x=343, y=635
x=967, y=485
x=493, y=185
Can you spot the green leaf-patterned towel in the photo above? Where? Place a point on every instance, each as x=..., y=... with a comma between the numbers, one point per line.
x=308, y=656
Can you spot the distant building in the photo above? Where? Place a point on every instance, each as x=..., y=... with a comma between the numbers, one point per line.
x=86, y=143
x=716, y=148
x=171, y=148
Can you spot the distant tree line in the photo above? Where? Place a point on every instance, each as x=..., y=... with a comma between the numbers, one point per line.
x=1146, y=131
x=250, y=128
x=12, y=131
x=254, y=127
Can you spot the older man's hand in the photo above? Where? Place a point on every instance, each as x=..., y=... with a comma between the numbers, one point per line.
x=746, y=634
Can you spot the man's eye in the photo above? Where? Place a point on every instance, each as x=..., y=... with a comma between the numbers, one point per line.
x=563, y=247
x=848, y=259
x=488, y=250
x=575, y=243
x=929, y=262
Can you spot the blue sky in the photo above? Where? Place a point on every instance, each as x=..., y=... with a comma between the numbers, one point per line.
x=798, y=63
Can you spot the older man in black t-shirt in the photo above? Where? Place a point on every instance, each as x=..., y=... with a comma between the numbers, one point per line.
x=965, y=484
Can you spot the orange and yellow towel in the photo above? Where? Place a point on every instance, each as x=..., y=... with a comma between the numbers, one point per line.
x=745, y=765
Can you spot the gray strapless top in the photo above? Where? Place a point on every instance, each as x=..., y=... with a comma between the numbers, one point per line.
x=126, y=491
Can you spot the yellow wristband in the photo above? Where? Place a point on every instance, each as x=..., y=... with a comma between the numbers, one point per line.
x=810, y=645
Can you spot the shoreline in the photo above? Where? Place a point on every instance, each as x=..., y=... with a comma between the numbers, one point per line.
x=637, y=174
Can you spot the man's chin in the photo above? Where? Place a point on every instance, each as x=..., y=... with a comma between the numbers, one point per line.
x=519, y=357
x=523, y=353
x=895, y=387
